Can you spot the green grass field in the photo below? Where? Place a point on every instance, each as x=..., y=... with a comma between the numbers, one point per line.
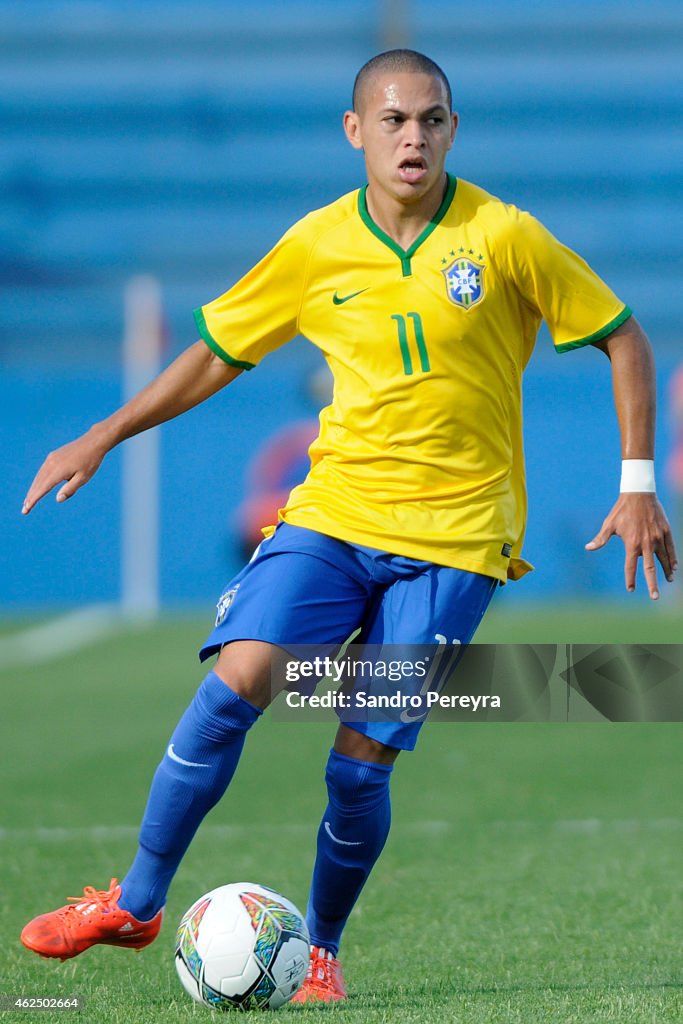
x=532, y=874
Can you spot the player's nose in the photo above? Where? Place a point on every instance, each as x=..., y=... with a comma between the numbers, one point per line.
x=414, y=134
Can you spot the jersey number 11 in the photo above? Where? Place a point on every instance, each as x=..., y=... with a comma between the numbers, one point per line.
x=404, y=343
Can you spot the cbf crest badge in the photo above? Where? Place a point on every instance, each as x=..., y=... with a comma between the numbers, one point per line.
x=223, y=606
x=464, y=282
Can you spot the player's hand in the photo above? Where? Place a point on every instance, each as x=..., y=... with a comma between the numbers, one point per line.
x=73, y=465
x=640, y=521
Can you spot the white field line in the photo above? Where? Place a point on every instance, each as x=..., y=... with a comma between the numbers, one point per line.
x=106, y=833
x=59, y=637
x=585, y=826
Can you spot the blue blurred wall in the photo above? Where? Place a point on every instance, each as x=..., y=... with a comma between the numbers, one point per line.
x=70, y=553
x=181, y=139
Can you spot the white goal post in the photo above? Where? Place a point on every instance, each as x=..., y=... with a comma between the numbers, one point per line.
x=142, y=355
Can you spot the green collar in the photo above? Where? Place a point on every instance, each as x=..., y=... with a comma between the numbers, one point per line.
x=405, y=255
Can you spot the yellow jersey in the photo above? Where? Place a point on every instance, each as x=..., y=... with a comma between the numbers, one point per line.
x=420, y=451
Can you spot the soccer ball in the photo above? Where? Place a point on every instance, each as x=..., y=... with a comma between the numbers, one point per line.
x=242, y=945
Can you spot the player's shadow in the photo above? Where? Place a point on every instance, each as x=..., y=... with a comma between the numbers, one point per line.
x=387, y=994
x=405, y=997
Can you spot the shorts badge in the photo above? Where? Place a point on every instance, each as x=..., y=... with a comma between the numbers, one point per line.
x=223, y=606
x=464, y=282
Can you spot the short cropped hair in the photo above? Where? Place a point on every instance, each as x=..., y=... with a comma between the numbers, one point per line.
x=399, y=60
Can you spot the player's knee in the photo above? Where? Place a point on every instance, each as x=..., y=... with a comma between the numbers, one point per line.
x=245, y=667
x=217, y=713
x=355, y=744
x=356, y=787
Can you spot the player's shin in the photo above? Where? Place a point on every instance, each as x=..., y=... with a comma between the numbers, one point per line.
x=351, y=837
x=196, y=769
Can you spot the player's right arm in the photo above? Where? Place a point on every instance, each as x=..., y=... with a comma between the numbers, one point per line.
x=258, y=314
x=193, y=377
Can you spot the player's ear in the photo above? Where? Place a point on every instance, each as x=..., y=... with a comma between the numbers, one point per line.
x=454, y=127
x=352, y=129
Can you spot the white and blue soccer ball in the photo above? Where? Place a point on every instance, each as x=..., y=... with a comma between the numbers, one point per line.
x=242, y=945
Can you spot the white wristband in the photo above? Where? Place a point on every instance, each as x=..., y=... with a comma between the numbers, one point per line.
x=637, y=475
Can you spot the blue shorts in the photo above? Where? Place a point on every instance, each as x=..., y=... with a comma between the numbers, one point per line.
x=302, y=587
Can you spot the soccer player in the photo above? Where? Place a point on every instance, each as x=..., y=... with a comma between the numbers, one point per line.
x=425, y=295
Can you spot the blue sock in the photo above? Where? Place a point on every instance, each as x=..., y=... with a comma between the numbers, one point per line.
x=351, y=837
x=193, y=775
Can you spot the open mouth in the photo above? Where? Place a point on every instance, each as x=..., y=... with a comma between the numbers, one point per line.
x=412, y=169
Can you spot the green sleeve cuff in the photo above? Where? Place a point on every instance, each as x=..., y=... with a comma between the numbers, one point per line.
x=213, y=344
x=599, y=335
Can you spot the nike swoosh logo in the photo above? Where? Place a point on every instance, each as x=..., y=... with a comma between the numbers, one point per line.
x=339, y=300
x=342, y=842
x=181, y=760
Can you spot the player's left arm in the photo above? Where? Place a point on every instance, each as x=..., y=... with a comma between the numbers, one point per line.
x=637, y=516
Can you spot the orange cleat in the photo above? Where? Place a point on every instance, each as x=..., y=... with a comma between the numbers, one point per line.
x=95, y=917
x=324, y=982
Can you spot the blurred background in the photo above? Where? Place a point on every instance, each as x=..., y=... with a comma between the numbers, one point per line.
x=153, y=152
